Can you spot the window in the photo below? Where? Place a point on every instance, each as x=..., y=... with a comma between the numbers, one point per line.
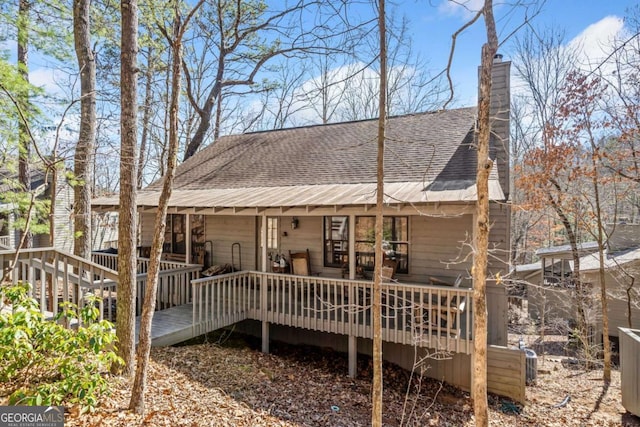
x=174, y=237
x=395, y=243
x=198, y=252
x=336, y=241
x=272, y=233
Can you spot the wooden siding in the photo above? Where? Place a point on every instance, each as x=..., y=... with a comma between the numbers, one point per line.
x=439, y=247
x=499, y=239
x=554, y=302
x=618, y=311
x=497, y=309
x=147, y=226
x=64, y=197
x=224, y=231
x=506, y=370
x=308, y=235
x=105, y=230
x=558, y=302
x=630, y=369
x=618, y=315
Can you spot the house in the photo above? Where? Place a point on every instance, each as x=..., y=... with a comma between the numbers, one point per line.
x=250, y=200
x=549, y=288
x=41, y=186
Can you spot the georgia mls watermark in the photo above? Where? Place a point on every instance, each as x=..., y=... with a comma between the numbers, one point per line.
x=31, y=416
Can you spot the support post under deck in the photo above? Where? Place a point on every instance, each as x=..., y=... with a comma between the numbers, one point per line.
x=265, y=337
x=353, y=356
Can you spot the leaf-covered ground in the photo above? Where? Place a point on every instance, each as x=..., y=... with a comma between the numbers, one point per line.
x=208, y=384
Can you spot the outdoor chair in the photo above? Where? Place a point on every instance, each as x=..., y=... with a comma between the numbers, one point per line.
x=301, y=263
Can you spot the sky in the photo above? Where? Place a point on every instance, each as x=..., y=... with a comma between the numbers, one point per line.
x=590, y=22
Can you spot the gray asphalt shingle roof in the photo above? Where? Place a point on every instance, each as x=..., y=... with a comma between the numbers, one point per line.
x=419, y=147
x=429, y=157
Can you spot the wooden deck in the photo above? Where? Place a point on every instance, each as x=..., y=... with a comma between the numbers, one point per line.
x=412, y=314
x=427, y=316
x=434, y=317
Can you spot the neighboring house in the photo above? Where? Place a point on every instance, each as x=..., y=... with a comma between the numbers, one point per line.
x=41, y=186
x=249, y=199
x=104, y=227
x=550, y=286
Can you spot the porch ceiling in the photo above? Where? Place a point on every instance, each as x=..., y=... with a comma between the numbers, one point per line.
x=396, y=193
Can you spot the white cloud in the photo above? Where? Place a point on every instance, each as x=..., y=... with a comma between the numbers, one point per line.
x=594, y=43
x=464, y=8
x=48, y=79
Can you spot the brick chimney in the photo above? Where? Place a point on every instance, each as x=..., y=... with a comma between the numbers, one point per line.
x=500, y=114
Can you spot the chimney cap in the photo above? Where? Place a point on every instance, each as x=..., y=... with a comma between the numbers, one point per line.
x=497, y=57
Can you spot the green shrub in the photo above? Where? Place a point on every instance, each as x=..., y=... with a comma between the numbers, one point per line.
x=44, y=363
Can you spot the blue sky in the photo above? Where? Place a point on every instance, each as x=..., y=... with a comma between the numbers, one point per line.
x=594, y=22
x=433, y=22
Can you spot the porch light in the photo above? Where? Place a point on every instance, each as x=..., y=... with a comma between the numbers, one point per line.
x=294, y=223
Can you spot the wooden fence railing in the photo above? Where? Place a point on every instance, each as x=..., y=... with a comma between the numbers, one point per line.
x=427, y=316
x=58, y=277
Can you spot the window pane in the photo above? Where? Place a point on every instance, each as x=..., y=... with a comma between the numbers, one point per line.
x=395, y=245
x=179, y=244
x=336, y=241
x=272, y=233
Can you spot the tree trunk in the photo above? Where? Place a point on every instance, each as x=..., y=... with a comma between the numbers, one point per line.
x=484, y=166
x=606, y=374
x=376, y=309
x=24, y=144
x=136, y=403
x=83, y=159
x=146, y=117
x=580, y=297
x=125, y=319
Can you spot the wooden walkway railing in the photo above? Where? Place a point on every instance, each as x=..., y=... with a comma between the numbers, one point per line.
x=57, y=277
x=5, y=242
x=174, y=280
x=427, y=316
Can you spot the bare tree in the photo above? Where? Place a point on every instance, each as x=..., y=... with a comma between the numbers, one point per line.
x=240, y=32
x=137, y=393
x=542, y=62
x=83, y=164
x=127, y=214
x=376, y=306
x=481, y=226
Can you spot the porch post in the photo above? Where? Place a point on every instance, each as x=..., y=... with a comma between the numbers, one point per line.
x=187, y=256
x=263, y=242
x=352, y=246
x=353, y=356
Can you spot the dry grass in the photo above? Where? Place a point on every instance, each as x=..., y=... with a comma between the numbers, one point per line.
x=236, y=385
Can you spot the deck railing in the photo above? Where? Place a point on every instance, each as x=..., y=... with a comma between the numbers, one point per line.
x=111, y=261
x=58, y=277
x=5, y=242
x=427, y=316
x=174, y=287
x=174, y=280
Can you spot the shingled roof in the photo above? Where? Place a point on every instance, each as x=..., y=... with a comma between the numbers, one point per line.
x=428, y=157
x=418, y=147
